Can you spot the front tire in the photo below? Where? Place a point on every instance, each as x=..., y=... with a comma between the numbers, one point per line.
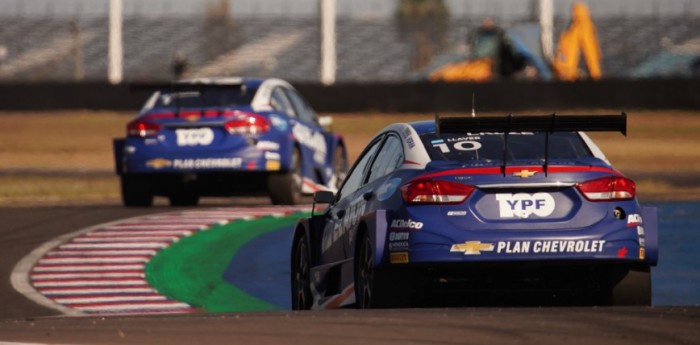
x=302, y=298
x=285, y=189
x=364, y=274
x=136, y=191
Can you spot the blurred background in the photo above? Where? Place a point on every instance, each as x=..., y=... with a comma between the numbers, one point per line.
x=375, y=40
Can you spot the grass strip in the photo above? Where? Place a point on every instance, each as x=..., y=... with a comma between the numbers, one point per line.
x=191, y=269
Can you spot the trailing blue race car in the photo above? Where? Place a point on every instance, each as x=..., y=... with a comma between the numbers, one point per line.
x=475, y=211
x=227, y=136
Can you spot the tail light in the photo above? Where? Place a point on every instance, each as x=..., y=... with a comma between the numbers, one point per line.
x=608, y=188
x=248, y=124
x=142, y=129
x=435, y=192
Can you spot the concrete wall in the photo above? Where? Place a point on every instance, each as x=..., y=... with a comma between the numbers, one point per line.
x=389, y=97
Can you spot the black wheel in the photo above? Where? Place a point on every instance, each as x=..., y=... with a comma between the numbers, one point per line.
x=301, y=277
x=364, y=274
x=633, y=290
x=184, y=199
x=340, y=166
x=285, y=188
x=136, y=191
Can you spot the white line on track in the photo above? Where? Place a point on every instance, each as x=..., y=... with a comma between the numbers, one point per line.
x=100, y=269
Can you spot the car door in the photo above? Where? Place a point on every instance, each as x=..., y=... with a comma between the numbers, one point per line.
x=388, y=157
x=307, y=129
x=344, y=214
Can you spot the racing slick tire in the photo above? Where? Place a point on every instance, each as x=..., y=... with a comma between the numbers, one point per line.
x=285, y=188
x=376, y=288
x=633, y=290
x=136, y=191
x=302, y=298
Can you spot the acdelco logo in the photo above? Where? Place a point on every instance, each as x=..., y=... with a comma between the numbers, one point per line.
x=194, y=137
x=522, y=205
x=406, y=224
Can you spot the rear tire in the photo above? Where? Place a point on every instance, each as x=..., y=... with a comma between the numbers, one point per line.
x=302, y=299
x=285, y=189
x=364, y=274
x=633, y=290
x=136, y=191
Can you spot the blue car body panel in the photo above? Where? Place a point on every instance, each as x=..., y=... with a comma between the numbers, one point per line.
x=519, y=212
x=193, y=138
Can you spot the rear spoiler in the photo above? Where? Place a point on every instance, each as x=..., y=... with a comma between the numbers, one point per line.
x=188, y=86
x=184, y=86
x=531, y=123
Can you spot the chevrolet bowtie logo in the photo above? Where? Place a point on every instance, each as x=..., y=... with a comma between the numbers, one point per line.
x=158, y=163
x=524, y=173
x=472, y=247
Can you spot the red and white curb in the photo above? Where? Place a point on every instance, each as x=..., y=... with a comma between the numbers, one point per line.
x=100, y=269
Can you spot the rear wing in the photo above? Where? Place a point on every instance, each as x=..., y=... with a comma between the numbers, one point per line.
x=531, y=123
x=194, y=85
x=190, y=85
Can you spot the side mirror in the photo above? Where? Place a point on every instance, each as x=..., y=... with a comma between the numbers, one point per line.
x=326, y=122
x=322, y=197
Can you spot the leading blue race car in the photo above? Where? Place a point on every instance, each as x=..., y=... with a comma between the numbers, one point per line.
x=470, y=210
x=227, y=136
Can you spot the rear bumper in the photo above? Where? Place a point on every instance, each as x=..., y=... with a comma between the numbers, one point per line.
x=512, y=283
x=149, y=162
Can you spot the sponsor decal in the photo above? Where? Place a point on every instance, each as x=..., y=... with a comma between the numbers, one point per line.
x=313, y=140
x=456, y=213
x=398, y=258
x=642, y=253
x=466, y=145
x=192, y=117
x=348, y=222
x=522, y=205
x=387, y=189
x=401, y=245
x=524, y=173
x=194, y=136
x=634, y=220
x=530, y=247
x=159, y=163
x=273, y=156
x=472, y=247
x=640, y=231
x=642, y=242
x=399, y=236
x=268, y=145
x=273, y=165
x=410, y=142
x=279, y=122
x=406, y=224
x=622, y=252
x=207, y=163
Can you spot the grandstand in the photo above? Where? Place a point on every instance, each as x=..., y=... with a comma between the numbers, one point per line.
x=36, y=48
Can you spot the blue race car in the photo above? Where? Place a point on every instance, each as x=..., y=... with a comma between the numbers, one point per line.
x=227, y=136
x=471, y=211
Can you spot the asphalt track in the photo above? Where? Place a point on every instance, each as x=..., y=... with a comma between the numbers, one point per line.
x=23, y=321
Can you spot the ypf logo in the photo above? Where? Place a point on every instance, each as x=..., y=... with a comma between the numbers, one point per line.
x=194, y=137
x=522, y=205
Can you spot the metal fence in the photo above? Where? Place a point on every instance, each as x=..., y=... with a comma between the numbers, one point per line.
x=63, y=40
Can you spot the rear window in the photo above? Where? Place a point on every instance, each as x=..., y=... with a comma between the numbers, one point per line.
x=205, y=98
x=489, y=146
